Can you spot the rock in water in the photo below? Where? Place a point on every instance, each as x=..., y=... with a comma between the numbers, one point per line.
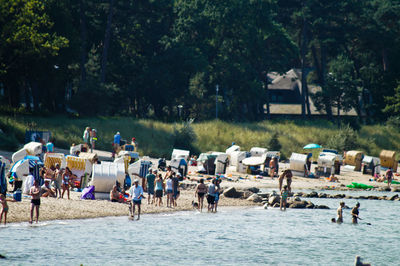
x=255, y=198
x=395, y=189
x=266, y=206
x=394, y=197
x=313, y=194
x=274, y=199
x=321, y=207
x=298, y=204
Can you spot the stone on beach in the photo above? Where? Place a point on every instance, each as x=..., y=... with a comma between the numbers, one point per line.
x=274, y=199
x=255, y=198
x=253, y=189
x=232, y=193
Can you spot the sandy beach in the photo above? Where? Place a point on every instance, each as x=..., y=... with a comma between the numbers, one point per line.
x=75, y=208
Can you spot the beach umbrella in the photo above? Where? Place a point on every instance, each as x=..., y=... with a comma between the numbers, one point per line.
x=312, y=146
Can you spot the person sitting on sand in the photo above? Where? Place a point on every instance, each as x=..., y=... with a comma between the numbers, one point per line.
x=47, y=190
x=115, y=195
x=200, y=192
x=136, y=195
x=333, y=178
x=354, y=213
x=284, y=196
x=339, y=219
x=35, y=201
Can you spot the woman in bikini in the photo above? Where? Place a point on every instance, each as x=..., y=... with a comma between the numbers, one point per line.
x=201, y=191
x=65, y=181
x=3, y=202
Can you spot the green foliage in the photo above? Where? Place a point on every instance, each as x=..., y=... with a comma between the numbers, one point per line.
x=346, y=139
x=274, y=144
x=185, y=136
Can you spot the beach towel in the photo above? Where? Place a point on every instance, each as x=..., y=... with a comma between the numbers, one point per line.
x=88, y=193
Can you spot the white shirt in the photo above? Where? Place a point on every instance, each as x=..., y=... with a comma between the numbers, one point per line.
x=169, y=184
x=136, y=192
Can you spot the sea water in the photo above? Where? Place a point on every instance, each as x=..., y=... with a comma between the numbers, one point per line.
x=233, y=236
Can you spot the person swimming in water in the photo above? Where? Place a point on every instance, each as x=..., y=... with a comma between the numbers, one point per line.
x=339, y=219
x=354, y=213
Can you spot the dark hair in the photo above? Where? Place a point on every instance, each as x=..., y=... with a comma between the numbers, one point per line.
x=201, y=181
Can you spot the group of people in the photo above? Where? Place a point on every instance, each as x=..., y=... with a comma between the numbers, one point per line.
x=354, y=213
x=156, y=186
x=118, y=143
x=57, y=181
x=211, y=192
x=90, y=137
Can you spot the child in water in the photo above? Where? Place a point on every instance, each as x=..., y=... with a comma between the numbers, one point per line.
x=284, y=196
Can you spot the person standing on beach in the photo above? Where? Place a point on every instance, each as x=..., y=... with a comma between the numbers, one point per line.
x=93, y=139
x=211, y=195
x=339, y=219
x=201, y=191
x=354, y=213
x=35, y=201
x=136, y=194
x=175, y=188
x=4, y=211
x=116, y=143
x=170, y=200
x=159, y=188
x=57, y=180
x=284, y=196
x=150, y=178
x=389, y=177
x=217, y=193
x=86, y=136
x=66, y=179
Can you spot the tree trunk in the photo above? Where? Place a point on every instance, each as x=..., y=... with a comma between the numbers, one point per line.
x=338, y=114
x=83, y=26
x=27, y=98
x=267, y=94
x=106, y=43
x=384, y=59
x=303, y=66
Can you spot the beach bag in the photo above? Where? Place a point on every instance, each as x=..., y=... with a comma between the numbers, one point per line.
x=88, y=193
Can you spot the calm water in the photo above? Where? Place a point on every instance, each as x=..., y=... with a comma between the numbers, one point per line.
x=245, y=236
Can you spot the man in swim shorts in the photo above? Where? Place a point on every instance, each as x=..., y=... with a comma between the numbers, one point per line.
x=136, y=194
x=35, y=201
x=354, y=213
x=150, y=178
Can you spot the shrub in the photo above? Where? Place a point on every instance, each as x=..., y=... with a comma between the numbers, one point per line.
x=345, y=139
x=184, y=137
x=274, y=144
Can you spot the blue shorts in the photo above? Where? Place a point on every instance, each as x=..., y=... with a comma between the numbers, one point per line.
x=169, y=191
x=216, y=197
x=138, y=202
x=176, y=193
x=150, y=190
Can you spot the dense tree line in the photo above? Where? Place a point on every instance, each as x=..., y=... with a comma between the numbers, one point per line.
x=145, y=58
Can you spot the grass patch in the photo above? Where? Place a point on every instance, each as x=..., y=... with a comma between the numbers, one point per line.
x=156, y=138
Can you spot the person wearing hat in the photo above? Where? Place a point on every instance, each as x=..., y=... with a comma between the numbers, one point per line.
x=136, y=195
x=47, y=190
